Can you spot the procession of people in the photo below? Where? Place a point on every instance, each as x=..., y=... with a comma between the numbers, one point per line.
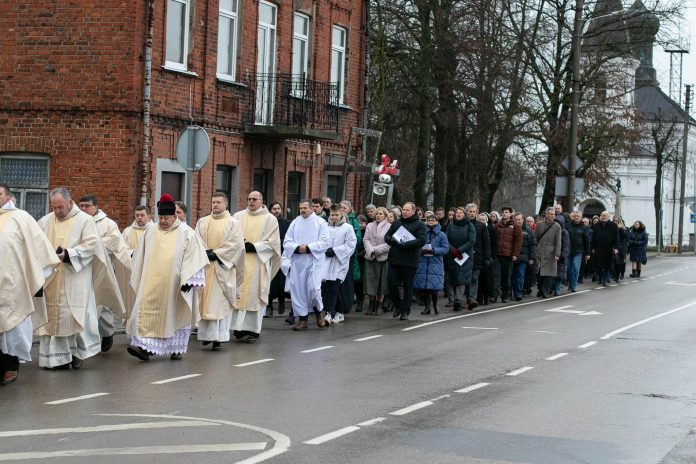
x=66, y=276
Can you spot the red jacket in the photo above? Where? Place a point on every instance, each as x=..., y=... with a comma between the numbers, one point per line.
x=509, y=238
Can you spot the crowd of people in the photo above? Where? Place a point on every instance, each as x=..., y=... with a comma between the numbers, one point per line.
x=68, y=275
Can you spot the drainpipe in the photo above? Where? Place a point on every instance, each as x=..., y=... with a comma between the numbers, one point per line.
x=147, y=140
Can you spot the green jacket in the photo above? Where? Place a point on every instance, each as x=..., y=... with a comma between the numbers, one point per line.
x=358, y=234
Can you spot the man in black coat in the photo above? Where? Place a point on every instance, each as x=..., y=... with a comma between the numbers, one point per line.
x=482, y=254
x=605, y=244
x=579, y=248
x=277, y=289
x=403, y=258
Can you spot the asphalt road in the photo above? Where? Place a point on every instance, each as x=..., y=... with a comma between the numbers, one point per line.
x=604, y=375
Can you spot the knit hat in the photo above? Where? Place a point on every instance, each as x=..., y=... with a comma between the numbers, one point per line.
x=165, y=206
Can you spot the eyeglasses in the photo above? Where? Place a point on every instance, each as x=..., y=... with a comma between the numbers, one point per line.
x=253, y=199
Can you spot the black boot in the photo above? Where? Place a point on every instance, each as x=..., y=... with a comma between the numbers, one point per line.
x=281, y=306
x=397, y=308
x=434, y=298
x=427, y=306
x=638, y=273
x=633, y=273
x=359, y=306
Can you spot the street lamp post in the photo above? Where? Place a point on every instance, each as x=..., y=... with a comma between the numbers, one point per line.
x=575, y=101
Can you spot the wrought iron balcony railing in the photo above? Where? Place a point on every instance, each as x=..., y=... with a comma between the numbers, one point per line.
x=292, y=101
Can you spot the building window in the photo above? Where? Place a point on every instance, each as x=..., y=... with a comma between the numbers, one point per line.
x=173, y=184
x=178, y=12
x=265, y=63
x=226, y=182
x=333, y=186
x=262, y=184
x=300, y=53
x=295, y=193
x=227, y=40
x=338, y=60
x=27, y=176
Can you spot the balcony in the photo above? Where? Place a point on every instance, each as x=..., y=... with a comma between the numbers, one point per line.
x=291, y=106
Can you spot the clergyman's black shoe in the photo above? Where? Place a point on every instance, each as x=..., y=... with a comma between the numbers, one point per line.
x=107, y=343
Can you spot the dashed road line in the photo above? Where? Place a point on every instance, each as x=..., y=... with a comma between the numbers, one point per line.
x=331, y=435
x=251, y=363
x=175, y=379
x=77, y=398
x=471, y=388
x=556, y=356
x=374, y=421
x=587, y=345
x=413, y=407
x=519, y=371
x=600, y=288
x=371, y=337
x=481, y=328
x=321, y=348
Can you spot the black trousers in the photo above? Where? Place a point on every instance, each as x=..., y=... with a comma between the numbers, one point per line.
x=505, y=276
x=8, y=363
x=331, y=294
x=401, y=275
x=347, y=288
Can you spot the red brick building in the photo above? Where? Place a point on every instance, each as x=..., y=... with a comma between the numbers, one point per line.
x=276, y=84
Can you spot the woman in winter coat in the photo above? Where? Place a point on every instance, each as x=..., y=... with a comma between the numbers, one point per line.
x=376, y=251
x=430, y=275
x=461, y=235
x=562, y=265
x=620, y=257
x=637, y=247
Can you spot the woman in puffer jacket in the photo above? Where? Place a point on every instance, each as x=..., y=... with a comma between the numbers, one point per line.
x=637, y=247
x=430, y=275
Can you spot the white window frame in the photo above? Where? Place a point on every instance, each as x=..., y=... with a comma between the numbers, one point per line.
x=298, y=36
x=232, y=50
x=20, y=191
x=338, y=69
x=187, y=21
x=266, y=66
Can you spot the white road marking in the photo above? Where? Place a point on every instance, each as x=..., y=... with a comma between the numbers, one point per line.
x=556, y=356
x=77, y=398
x=318, y=349
x=425, y=324
x=175, y=379
x=546, y=332
x=281, y=445
x=685, y=284
x=330, y=436
x=625, y=283
x=105, y=428
x=135, y=450
x=600, y=288
x=481, y=328
x=519, y=371
x=587, y=345
x=613, y=285
x=562, y=309
x=374, y=421
x=441, y=397
x=590, y=313
x=471, y=388
x=251, y=363
x=635, y=324
x=413, y=407
x=371, y=337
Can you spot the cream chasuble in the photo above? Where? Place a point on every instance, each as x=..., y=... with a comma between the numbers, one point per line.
x=118, y=252
x=261, y=229
x=223, y=234
x=87, y=280
x=133, y=233
x=163, y=262
x=26, y=259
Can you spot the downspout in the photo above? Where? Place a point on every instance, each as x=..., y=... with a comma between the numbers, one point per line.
x=147, y=140
x=366, y=78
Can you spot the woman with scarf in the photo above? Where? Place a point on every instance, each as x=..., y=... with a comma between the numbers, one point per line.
x=430, y=275
x=376, y=251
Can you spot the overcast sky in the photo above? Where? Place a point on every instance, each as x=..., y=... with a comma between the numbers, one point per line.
x=661, y=59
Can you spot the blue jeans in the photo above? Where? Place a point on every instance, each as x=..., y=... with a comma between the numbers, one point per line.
x=574, y=269
x=518, y=272
x=605, y=274
x=556, y=285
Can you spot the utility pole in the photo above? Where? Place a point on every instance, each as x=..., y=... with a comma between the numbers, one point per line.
x=683, y=169
x=575, y=101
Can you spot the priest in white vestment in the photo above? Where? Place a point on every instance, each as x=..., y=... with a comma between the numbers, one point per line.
x=261, y=263
x=132, y=235
x=169, y=262
x=83, y=280
x=214, y=303
x=119, y=259
x=304, y=251
x=27, y=260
